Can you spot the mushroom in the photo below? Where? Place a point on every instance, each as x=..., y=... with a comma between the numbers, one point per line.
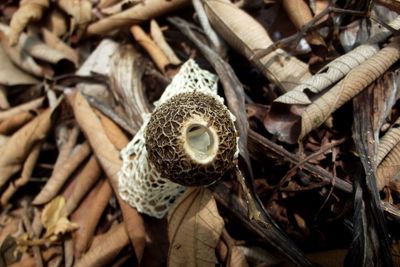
x=189, y=140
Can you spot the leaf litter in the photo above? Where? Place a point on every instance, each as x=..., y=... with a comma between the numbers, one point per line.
x=319, y=150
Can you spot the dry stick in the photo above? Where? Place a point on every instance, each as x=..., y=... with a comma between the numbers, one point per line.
x=60, y=176
x=26, y=173
x=105, y=248
x=85, y=180
x=29, y=229
x=4, y=104
x=156, y=54
x=215, y=40
x=11, y=124
x=34, y=104
x=88, y=215
x=159, y=39
x=110, y=160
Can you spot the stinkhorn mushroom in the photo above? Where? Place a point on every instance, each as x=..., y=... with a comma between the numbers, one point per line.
x=189, y=140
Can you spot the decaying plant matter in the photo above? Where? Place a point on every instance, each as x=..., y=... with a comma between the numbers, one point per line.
x=199, y=133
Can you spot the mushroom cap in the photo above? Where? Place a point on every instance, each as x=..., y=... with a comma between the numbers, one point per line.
x=191, y=139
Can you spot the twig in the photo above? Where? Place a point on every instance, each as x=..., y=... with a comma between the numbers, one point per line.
x=215, y=40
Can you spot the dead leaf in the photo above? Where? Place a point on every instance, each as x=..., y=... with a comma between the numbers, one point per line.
x=194, y=229
x=247, y=36
x=29, y=11
x=54, y=219
x=54, y=42
x=20, y=144
x=134, y=15
x=80, y=12
x=56, y=22
x=10, y=75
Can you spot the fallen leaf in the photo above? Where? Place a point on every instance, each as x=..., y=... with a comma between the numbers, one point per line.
x=194, y=229
x=54, y=219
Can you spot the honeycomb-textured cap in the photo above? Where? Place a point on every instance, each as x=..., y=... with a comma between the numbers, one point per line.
x=191, y=139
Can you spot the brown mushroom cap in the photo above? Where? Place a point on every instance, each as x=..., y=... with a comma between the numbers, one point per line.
x=191, y=139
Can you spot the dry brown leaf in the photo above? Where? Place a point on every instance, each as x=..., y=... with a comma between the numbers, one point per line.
x=60, y=175
x=158, y=37
x=10, y=75
x=31, y=105
x=56, y=43
x=134, y=15
x=88, y=214
x=387, y=142
x=29, y=11
x=105, y=248
x=80, y=12
x=32, y=45
x=114, y=133
x=357, y=79
x=119, y=7
x=247, y=36
x=54, y=219
x=111, y=163
x=20, y=144
x=389, y=167
x=85, y=180
x=300, y=14
x=156, y=54
x=26, y=173
x=56, y=22
x=10, y=125
x=20, y=57
x=194, y=229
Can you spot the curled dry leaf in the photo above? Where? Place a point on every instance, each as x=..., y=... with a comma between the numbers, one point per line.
x=134, y=15
x=54, y=220
x=30, y=10
x=11, y=75
x=389, y=167
x=357, y=79
x=194, y=229
x=105, y=247
x=60, y=175
x=300, y=14
x=299, y=120
x=88, y=214
x=39, y=50
x=20, y=57
x=388, y=142
x=12, y=124
x=158, y=37
x=156, y=54
x=118, y=7
x=114, y=133
x=247, y=36
x=56, y=22
x=21, y=143
x=31, y=105
x=26, y=173
x=80, y=12
x=111, y=163
x=56, y=43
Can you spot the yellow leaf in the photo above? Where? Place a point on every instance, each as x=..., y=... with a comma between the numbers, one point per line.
x=54, y=219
